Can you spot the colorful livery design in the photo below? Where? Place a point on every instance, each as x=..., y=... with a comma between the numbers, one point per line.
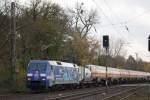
x=46, y=73
x=51, y=74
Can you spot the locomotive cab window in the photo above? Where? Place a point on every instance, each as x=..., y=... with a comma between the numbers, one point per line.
x=37, y=66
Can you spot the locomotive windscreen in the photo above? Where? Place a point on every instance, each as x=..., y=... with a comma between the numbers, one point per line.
x=37, y=66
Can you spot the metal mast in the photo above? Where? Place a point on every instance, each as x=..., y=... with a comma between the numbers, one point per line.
x=13, y=43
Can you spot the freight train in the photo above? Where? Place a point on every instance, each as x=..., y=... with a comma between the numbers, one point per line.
x=50, y=74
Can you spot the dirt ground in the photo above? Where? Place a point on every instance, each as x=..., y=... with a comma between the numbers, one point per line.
x=143, y=94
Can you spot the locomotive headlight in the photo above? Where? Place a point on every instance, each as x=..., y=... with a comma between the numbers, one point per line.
x=29, y=74
x=29, y=78
x=43, y=79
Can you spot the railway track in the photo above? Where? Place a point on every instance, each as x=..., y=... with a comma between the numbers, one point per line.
x=95, y=94
x=123, y=95
x=39, y=95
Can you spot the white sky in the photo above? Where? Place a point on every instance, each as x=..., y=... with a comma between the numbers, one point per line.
x=115, y=15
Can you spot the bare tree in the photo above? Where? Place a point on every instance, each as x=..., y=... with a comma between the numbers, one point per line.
x=82, y=20
x=117, y=48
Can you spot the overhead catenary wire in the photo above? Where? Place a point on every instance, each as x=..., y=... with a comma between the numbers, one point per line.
x=124, y=25
x=130, y=20
x=115, y=14
x=111, y=23
x=110, y=9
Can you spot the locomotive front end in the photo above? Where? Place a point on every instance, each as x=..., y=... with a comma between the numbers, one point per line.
x=37, y=75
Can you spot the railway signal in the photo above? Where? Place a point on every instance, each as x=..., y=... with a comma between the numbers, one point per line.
x=106, y=46
x=106, y=41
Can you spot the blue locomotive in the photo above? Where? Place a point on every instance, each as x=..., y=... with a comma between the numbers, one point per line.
x=47, y=73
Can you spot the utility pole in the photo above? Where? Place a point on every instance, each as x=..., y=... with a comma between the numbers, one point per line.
x=13, y=44
x=106, y=67
x=149, y=77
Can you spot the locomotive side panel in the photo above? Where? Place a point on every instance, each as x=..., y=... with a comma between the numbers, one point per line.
x=65, y=73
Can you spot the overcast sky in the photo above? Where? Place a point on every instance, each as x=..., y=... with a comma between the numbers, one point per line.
x=126, y=19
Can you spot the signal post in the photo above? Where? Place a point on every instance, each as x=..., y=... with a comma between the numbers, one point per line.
x=106, y=46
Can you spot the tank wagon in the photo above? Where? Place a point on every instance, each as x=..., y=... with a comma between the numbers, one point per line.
x=115, y=75
x=56, y=74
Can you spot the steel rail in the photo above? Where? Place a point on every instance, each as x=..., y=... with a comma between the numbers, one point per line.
x=125, y=91
x=74, y=96
x=129, y=95
x=98, y=93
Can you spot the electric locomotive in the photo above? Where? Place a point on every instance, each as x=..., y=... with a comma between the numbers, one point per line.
x=47, y=74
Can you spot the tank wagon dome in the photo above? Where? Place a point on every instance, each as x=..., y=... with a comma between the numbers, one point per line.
x=100, y=67
x=94, y=66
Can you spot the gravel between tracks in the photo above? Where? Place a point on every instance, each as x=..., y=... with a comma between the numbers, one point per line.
x=40, y=95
